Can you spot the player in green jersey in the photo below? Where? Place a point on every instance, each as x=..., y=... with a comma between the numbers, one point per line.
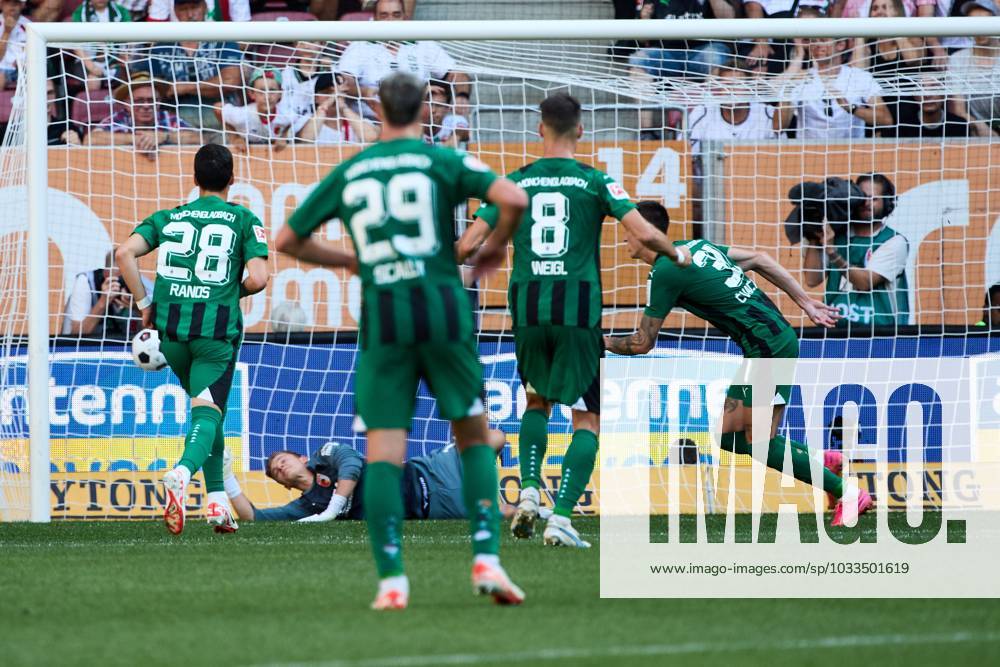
x=716, y=289
x=397, y=199
x=555, y=304
x=195, y=306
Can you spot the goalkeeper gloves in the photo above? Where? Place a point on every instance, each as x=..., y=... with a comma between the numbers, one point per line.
x=332, y=511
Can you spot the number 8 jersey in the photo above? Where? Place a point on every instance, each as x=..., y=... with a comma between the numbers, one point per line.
x=202, y=249
x=556, y=278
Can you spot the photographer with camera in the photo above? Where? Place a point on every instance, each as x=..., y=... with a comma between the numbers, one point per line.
x=100, y=305
x=848, y=243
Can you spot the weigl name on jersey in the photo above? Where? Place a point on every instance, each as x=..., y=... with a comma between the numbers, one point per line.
x=191, y=291
x=548, y=267
x=392, y=272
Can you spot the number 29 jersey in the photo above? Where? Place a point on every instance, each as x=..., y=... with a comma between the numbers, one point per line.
x=556, y=278
x=202, y=248
x=397, y=199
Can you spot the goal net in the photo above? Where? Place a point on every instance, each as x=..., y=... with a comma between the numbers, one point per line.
x=719, y=132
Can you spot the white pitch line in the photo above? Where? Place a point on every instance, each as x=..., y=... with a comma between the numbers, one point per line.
x=847, y=641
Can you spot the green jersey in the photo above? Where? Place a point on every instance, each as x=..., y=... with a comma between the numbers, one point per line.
x=887, y=305
x=203, y=247
x=397, y=199
x=715, y=289
x=556, y=277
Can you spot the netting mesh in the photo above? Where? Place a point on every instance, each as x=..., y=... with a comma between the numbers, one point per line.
x=718, y=132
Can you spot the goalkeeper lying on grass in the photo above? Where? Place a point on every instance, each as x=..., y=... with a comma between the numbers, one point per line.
x=331, y=480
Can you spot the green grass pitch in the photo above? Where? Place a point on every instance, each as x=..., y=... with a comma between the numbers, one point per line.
x=130, y=594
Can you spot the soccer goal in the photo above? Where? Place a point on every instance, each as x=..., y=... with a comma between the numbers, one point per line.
x=719, y=127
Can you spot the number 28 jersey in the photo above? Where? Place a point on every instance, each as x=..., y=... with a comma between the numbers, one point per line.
x=202, y=248
x=556, y=278
x=397, y=199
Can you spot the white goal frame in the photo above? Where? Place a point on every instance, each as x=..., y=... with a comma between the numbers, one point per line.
x=39, y=35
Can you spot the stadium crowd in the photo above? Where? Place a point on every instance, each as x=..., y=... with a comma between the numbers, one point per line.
x=323, y=92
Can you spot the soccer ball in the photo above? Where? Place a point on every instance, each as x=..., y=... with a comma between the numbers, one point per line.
x=146, y=351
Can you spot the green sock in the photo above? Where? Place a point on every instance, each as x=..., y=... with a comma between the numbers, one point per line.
x=737, y=443
x=532, y=443
x=212, y=468
x=383, y=504
x=577, y=466
x=480, y=488
x=205, y=422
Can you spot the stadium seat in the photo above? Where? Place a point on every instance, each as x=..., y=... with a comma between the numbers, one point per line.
x=283, y=16
x=6, y=98
x=88, y=110
x=357, y=16
x=271, y=55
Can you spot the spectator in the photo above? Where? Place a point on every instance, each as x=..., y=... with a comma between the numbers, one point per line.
x=865, y=267
x=728, y=119
x=440, y=122
x=939, y=48
x=327, y=10
x=680, y=57
x=140, y=122
x=13, y=35
x=100, y=306
x=835, y=101
x=197, y=73
x=335, y=120
x=930, y=118
x=763, y=53
x=268, y=119
x=978, y=67
x=675, y=58
x=47, y=11
x=856, y=9
x=216, y=10
x=98, y=64
x=61, y=131
x=139, y=9
x=364, y=64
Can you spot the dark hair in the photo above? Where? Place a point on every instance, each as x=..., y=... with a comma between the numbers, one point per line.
x=442, y=84
x=655, y=213
x=402, y=95
x=213, y=167
x=270, y=460
x=561, y=113
x=888, y=191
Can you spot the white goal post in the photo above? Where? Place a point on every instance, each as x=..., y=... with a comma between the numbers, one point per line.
x=40, y=35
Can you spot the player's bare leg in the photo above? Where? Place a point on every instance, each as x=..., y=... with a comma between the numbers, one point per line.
x=479, y=488
x=533, y=441
x=383, y=502
x=578, y=465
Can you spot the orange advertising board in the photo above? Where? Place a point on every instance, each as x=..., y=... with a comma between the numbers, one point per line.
x=946, y=202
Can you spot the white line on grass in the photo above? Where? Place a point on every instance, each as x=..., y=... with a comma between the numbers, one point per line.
x=846, y=641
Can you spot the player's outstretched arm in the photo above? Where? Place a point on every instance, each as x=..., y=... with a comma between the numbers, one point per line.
x=338, y=501
x=645, y=233
x=127, y=257
x=315, y=250
x=641, y=342
x=510, y=201
x=777, y=275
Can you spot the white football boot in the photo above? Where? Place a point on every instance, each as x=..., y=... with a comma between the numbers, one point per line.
x=523, y=524
x=559, y=532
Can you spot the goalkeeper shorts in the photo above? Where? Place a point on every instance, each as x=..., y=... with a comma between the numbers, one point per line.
x=204, y=366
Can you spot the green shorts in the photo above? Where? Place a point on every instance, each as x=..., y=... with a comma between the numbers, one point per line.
x=387, y=377
x=561, y=364
x=204, y=366
x=783, y=346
